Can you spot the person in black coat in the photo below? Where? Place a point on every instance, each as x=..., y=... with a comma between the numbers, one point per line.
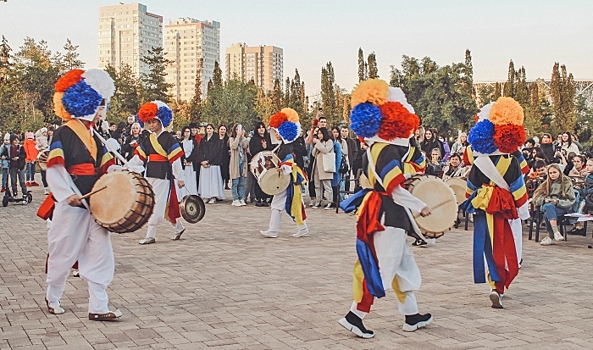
x=299, y=150
x=210, y=185
x=259, y=142
x=226, y=156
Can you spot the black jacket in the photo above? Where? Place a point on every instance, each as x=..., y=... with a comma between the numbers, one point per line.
x=300, y=150
x=211, y=150
x=193, y=156
x=20, y=163
x=256, y=144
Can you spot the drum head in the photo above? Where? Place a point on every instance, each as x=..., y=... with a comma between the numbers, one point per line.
x=192, y=208
x=458, y=187
x=273, y=182
x=111, y=204
x=440, y=199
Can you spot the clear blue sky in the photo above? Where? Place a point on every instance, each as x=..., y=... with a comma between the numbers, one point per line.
x=534, y=33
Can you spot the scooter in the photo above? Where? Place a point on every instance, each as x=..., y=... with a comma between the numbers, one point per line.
x=9, y=198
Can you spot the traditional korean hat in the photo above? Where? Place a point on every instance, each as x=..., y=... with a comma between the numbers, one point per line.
x=286, y=123
x=155, y=110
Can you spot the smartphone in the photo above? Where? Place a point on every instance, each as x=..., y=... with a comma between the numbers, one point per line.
x=239, y=128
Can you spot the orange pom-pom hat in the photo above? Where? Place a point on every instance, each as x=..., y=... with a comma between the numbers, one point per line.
x=286, y=123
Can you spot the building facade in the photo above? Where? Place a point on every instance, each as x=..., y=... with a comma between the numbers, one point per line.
x=262, y=64
x=188, y=40
x=126, y=33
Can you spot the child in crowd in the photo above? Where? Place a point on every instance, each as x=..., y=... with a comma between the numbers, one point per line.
x=584, y=191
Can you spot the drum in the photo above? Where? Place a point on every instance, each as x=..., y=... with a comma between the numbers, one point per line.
x=439, y=198
x=263, y=167
x=126, y=203
x=42, y=159
x=192, y=208
x=458, y=186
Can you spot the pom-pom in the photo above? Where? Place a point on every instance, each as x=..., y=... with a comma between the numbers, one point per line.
x=397, y=121
x=481, y=137
x=147, y=112
x=484, y=112
x=68, y=80
x=397, y=95
x=506, y=111
x=288, y=131
x=81, y=100
x=372, y=90
x=100, y=81
x=508, y=138
x=59, y=107
x=165, y=115
x=277, y=119
x=291, y=114
x=365, y=119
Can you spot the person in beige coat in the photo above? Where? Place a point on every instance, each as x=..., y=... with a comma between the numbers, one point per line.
x=238, y=145
x=323, y=145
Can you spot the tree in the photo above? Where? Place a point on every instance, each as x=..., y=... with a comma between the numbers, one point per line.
x=217, y=76
x=195, y=105
x=533, y=114
x=5, y=60
x=126, y=100
x=522, y=94
x=264, y=105
x=328, y=93
x=497, y=91
x=562, y=93
x=485, y=95
x=362, y=74
x=154, y=86
x=372, y=64
x=277, y=95
x=70, y=58
x=509, y=86
x=233, y=102
x=287, y=96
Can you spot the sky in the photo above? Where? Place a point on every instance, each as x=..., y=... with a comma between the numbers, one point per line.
x=533, y=33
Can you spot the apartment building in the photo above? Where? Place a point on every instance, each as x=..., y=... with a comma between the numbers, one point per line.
x=262, y=64
x=126, y=33
x=187, y=40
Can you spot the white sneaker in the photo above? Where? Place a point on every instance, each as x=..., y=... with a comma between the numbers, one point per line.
x=312, y=204
x=269, y=234
x=558, y=236
x=302, y=233
x=236, y=203
x=547, y=241
x=242, y=202
x=316, y=205
x=328, y=206
x=496, y=299
x=147, y=241
x=212, y=200
x=46, y=191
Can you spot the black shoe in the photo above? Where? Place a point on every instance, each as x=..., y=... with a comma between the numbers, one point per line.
x=413, y=322
x=577, y=231
x=259, y=204
x=419, y=242
x=354, y=324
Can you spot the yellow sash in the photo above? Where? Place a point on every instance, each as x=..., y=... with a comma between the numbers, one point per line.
x=156, y=145
x=84, y=135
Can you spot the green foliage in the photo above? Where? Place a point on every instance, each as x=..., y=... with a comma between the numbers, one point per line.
x=441, y=96
x=195, y=105
x=154, y=86
x=126, y=100
x=362, y=71
x=217, y=76
x=562, y=93
x=233, y=102
x=372, y=66
x=509, y=86
x=328, y=95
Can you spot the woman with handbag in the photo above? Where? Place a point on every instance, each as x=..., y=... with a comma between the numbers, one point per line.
x=324, y=167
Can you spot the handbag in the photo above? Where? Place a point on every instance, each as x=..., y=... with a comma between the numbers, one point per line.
x=329, y=162
x=344, y=168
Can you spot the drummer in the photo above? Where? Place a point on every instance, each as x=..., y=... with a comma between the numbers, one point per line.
x=162, y=154
x=75, y=162
x=287, y=128
x=382, y=116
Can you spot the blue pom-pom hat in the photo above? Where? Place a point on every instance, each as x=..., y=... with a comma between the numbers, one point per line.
x=286, y=123
x=155, y=110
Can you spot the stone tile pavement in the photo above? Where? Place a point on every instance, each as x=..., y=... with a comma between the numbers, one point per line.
x=224, y=286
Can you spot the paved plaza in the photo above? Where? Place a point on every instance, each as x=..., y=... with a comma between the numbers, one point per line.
x=224, y=286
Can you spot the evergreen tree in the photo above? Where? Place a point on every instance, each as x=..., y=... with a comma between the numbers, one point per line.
x=533, y=114
x=195, y=105
x=328, y=93
x=361, y=67
x=277, y=95
x=70, y=58
x=562, y=93
x=485, y=95
x=372, y=64
x=217, y=76
x=497, y=91
x=209, y=86
x=522, y=94
x=287, y=97
x=509, y=86
x=154, y=86
x=5, y=60
x=302, y=97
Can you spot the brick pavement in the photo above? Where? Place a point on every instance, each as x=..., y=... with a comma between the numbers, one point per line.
x=224, y=286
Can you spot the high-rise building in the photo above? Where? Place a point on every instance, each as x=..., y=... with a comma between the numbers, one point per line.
x=126, y=33
x=188, y=40
x=262, y=64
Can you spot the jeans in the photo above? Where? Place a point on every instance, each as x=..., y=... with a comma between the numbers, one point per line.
x=4, y=177
x=30, y=168
x=238, y=187
x=551, y=212
x=14, y=173
x=43, y=178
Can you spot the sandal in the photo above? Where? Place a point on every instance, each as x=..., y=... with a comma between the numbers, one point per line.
x=108, y=316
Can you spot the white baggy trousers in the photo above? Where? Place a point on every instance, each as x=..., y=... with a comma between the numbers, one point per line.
x=75, y=236
x=161, y=195
x=277, y=206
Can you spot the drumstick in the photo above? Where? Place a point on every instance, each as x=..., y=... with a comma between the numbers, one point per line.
x=92, y=193
x=431, y=208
